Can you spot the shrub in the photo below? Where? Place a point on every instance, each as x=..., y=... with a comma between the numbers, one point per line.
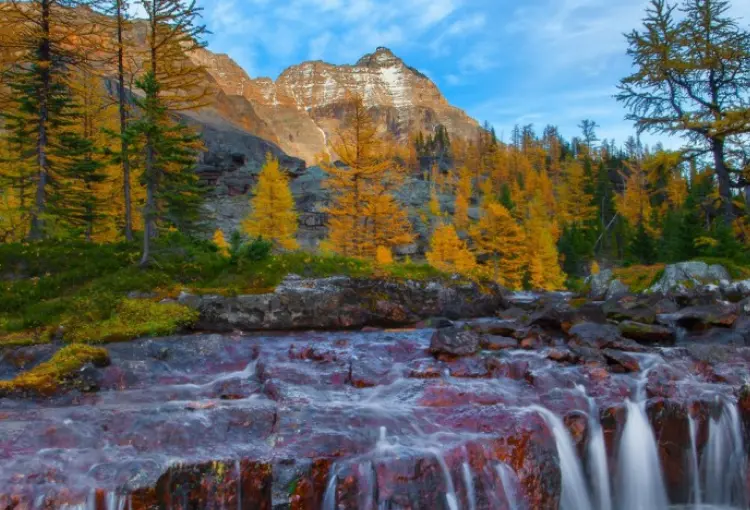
x=45, y=378
x=135, y=318
x=256, y=250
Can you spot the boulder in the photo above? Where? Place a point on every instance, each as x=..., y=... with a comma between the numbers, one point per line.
x=498, y=343
x=632, y=308
x=647, y=333
x=454, y=342
x=599, y=284
x=498, y=327
x=616, y=289
x=344, y=303
x=621, y=361
x=700, y=318
x=735, y=291
x=601, y=336
x=689, y=274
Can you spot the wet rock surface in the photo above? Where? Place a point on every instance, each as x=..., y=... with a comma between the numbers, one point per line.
x=492, y=413
x=344, y=303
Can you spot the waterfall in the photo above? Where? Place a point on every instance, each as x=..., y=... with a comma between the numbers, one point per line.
x=597, y=457
x=329, y=500
x=509, y=482
x=574, y=490
x=238, y=470
x=641, y=485
x=469, y=483
x=724, y=463
x=695, y=475
x=450, y=495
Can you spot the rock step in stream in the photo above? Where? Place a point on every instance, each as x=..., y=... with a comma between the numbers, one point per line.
x=389, y=420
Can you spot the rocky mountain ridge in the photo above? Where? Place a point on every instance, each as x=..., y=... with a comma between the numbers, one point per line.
x=303, y=108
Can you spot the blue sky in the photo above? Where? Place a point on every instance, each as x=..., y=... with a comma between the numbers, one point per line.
x=503, y=61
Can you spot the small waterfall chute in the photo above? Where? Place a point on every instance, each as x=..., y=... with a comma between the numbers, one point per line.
x=640, y=480
x=724, y=461
x=597, y=457
x=509, y=483
x=575, y=495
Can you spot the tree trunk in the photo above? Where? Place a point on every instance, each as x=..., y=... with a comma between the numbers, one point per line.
x=45, y=59
x=725, y=184
x=150, y=208
x=123, y=124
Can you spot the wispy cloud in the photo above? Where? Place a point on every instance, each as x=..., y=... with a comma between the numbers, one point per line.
x=540, y=61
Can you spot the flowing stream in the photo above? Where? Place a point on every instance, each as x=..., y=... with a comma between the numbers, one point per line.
x=372, y=421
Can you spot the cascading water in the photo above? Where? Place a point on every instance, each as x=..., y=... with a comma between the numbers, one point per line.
x=597, y=457
x=575, y=494
x=509, y=484
x=641, y=485
x=695, y=477
x=724, y=462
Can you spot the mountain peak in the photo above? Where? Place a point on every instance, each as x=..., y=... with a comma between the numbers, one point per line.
x=382, y=57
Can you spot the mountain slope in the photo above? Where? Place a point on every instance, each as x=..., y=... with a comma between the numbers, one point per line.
x=303, y=108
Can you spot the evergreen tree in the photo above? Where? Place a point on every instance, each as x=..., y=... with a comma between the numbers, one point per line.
x=691, y=79
x=171, y=83
x=173, y=193
x=642, y=248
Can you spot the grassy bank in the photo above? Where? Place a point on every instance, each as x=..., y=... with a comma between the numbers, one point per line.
x=87, y=293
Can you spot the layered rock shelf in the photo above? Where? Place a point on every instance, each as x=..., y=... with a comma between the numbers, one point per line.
x=545, y=403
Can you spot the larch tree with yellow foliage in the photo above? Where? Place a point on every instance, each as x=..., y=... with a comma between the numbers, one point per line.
x=273, y=216
x=575, y=204
x=497, y=235
x=543, y=258
x=449, y=253
x=363, y=213
x=384, y=256
x=221, y=243
x=634, y=203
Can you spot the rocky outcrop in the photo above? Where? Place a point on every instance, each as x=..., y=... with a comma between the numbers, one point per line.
x=689, y=274
x=344, y=303
x=604, y=285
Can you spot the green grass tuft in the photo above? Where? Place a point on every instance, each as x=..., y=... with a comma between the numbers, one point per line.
x=46, y=378
x=134, y=318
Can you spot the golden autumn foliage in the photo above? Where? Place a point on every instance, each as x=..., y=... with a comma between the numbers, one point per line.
x=543, y=258
x=363, y=213
x=544, y=264
x=434, y=205
x=575, y=203
x=461, y=213
x=273, y=216
x=634, y=203
x=383, y=256
x=449, y=253
x=595, y=269
x=498, y=235
x=221, y=243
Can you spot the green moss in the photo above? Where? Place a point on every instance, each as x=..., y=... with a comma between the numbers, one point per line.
x=46, y=378
x=135, y=318
x=25, y=338
x=639, y=278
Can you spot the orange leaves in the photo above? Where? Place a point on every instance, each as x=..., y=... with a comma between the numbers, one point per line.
x=363, y=214
x=449, y=253
x=273, y=216
x=499, y=236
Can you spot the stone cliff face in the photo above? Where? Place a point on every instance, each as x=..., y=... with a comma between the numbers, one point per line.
x=304, y=106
